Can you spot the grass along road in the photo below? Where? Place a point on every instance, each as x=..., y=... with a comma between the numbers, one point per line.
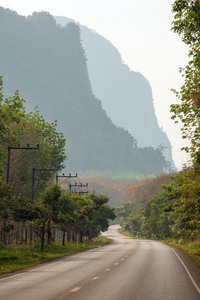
x=15, y=258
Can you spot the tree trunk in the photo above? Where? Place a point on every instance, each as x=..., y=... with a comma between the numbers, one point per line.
x=63, y=238
x=49, y=232
x=90, y=235
x=4, y=232
x=22, y=234
x=73, y=237
x=26, y=235
x=69, y=234
x=31, y=235
x=81, y=237
x=54, y=235
x=17, y=233
x=42, y=236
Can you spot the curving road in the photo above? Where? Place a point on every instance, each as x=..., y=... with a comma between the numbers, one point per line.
x=127, y=269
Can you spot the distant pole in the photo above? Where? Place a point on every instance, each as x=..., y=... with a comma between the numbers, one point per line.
x=76, y=188
x=68, y=177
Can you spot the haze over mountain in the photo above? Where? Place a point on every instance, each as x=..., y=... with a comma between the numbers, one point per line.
x=47, y=64
x=125, y=95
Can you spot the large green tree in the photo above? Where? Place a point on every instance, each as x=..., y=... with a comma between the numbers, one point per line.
x=12, y=125
x=187, y=24
x=99, y=214
x=51, y=153
x=19, y=128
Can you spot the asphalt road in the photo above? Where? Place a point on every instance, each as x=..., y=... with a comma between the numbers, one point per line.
x=126, y=269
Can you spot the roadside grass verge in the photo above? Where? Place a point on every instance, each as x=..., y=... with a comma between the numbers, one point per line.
x=192, y=249
x=15, y=258
x=124, y=232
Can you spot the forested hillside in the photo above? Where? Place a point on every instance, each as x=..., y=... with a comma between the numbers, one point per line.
x=47, y=64
x=125, y=95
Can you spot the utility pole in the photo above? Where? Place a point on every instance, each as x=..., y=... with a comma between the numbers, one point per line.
x=65, y=176
x=33, y=178
x=17, y=148
x=78, y=186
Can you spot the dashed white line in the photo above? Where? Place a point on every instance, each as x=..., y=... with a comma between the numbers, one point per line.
x=75, y=289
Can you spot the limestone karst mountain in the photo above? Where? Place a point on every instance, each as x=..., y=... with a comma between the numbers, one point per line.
x=125, y=95
x=47, y=64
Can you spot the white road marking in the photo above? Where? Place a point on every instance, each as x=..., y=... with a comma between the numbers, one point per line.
x=190, y=276
x=95, y=278
x=75, y=289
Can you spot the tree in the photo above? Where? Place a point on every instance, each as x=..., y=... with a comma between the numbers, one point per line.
x=12, y=116
x=18, y=127
x=145, y=190
x=82, y=210
x=187, y=24
x=99, y=214
x=67, y=216
x=184, y=210
x=51, y=154
x=5, y=199
x=51, y=201
x=6, y=202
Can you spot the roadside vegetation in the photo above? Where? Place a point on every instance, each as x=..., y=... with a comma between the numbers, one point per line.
x=15, y=258
x=39, y=219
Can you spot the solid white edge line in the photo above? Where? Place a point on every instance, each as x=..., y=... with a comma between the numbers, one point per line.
x=190, y=276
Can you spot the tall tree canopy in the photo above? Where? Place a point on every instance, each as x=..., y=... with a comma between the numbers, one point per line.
x=19, y=128
x=187, y=24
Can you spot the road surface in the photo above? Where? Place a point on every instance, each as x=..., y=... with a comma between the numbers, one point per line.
x=127, y=269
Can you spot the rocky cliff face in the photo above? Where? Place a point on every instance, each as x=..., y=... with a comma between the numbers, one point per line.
x=125, y=95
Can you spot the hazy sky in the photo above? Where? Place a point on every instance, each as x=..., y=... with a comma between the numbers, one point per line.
x=140, y=30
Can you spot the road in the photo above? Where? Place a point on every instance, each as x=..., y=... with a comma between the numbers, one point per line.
x=127, y=269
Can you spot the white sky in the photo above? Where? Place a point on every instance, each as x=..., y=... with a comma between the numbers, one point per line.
x=140, y=30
